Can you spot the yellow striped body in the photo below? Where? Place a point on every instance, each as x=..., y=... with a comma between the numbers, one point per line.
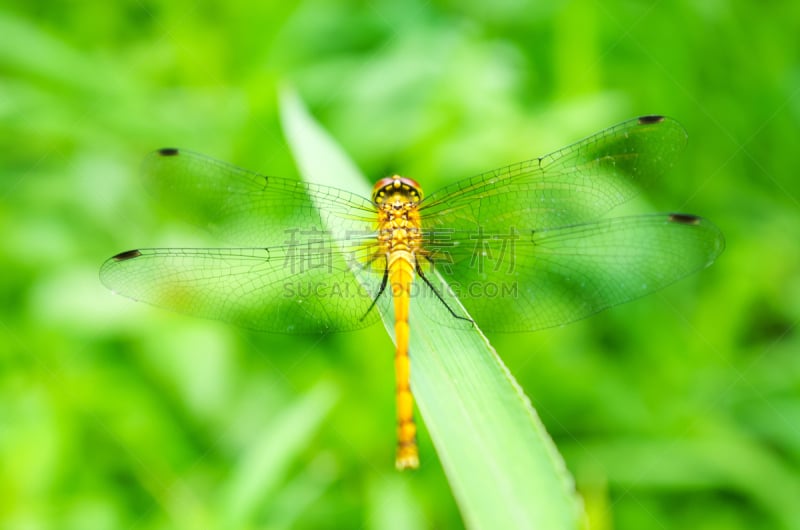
x=401, y=274
x=400, y=238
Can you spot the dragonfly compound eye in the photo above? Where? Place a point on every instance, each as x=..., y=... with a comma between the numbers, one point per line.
x=407, y=189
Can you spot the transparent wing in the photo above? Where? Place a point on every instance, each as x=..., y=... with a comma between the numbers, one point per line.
x=247, y=208
x=578, y=183
x=528, y=280
x=286, y=289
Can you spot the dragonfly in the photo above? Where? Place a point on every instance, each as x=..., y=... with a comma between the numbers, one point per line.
x=520, y=248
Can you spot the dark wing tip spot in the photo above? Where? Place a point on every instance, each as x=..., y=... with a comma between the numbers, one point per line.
x=168, y=151
x=684, y=218
x=128, y=254
x=648, y=120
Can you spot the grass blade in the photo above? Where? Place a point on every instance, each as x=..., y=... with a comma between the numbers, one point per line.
x=502, y=466
x=264, y=464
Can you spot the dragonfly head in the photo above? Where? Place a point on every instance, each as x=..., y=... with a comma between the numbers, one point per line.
x=396, y=188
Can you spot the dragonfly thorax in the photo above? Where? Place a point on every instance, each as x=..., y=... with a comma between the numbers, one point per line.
x=396, y=190
x=397, y=199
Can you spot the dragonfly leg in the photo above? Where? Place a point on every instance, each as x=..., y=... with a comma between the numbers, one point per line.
x=381, y=289
x=437, y=293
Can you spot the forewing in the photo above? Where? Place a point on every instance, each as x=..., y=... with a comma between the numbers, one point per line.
x=543, y=278
x=247, y=208
x=575, y=184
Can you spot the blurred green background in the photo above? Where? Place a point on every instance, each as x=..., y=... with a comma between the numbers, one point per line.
x=681, y=410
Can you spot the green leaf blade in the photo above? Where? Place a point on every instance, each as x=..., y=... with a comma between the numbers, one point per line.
x=504, y=469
